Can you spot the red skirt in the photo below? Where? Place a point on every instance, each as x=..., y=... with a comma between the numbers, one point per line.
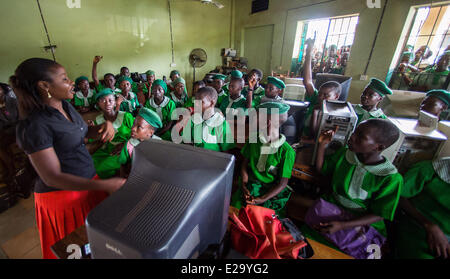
x=61, y=212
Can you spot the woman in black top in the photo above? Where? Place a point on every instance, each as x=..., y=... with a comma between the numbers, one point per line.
x=52, y=133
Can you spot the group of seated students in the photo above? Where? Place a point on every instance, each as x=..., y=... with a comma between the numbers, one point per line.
x=334, y=61
x=365, y=190
x=414, y=74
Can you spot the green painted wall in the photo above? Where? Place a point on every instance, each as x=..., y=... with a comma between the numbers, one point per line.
x=132, y=33
x=285, y=14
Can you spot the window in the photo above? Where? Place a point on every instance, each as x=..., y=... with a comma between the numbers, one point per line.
x=334, y=39
x=423, y=66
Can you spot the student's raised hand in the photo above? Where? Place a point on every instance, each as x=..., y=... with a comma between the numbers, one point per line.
x=309, y=43
x=437, y=241
x=119, y=100
x=330, y=227
x=97, y=59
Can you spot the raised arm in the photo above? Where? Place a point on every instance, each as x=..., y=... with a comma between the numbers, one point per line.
x=97, y=59
x=307, y=71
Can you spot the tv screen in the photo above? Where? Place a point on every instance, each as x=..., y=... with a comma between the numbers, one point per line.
x=173, y=206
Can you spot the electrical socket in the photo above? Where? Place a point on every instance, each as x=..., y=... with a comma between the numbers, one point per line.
x=363, y=77
x=173, y=65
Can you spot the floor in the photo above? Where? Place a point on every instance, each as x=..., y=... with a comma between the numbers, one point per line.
x=19, y=237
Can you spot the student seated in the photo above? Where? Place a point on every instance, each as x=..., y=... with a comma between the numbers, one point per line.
x=179, y=94
x=127, y=100
x=84, y=98
x=109, y=79
x=125, y=72
x=254, y=78
x=433, y=77
x=163, y=106
x=436, y=102
x=365, y=190
x=173, y=76
x=190, y=102
x=371, y=97
x=208, y=129
x=122, y=123
x=424, y=232
x=147, y=89
x=144, y=127
x=235, y=74
x=218, y=83
x=272, y=92
x=235, y=99
x=267, y=165
x=330, y=91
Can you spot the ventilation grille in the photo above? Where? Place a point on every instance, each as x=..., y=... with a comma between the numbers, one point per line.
x=154, y=216
x=259, y=6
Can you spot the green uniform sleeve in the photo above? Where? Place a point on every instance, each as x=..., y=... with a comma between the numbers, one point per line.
x=128, y=120
x=245, y=151
x=225, y=146
x=416, y=178
x=330, y=161
x=385, y=202
x=124, y=157
x=288, y=162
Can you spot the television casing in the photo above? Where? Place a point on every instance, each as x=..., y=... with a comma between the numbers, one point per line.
x=173, y=206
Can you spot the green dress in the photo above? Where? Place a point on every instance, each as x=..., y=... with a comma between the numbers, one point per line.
x=79, y=100
x=313, y=100
x=164, y=110
x=130, y=104
x=122, y=126
x=179, y=102
x=267, y=164
x=431, y=79
x=210, y=134
x=220, y=97
x=364, y=114
x=363, y=189
x=427, y=186
x=232, y=106
x=258, y=92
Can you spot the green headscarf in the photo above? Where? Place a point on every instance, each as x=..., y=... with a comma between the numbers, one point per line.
x=104, y=92
x=160, y=82
x=151, y=117
x=379, y=87
x=79, y=79
x=122, y=78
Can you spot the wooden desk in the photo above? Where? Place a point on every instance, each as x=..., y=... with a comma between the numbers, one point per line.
x=71, y=246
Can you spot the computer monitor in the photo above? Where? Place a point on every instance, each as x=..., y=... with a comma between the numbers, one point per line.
x=173, y=206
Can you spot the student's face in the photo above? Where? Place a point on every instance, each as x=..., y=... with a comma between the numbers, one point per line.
x=125, y=86
x=141, y=130
x=158, y=93
x=254, y=76
x=107, y=104
x=179, y=89
x=362, y=140
x=405, y=59
x=344, y=60
x=332, y=52
x=328, y=94
x=442, y=63
x=433, y=105
x=235, y=88
x=61, y=87
x=272, y=91
x=110, y=81
x=174, y=77
x=151, y=78
x=125, y=72
x=84, y=85
x=370, y=98
x=419, y=53
x=218, y=84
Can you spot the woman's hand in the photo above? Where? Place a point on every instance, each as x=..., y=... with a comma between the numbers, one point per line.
x=330, y=227
x=107, y=131
x=437, y=241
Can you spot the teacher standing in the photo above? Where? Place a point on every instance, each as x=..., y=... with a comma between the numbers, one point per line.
x=52, y=133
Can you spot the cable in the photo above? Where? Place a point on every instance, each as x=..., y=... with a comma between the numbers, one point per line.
x=46, y=31
x=171, y=33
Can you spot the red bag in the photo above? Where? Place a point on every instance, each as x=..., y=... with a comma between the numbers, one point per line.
x=259, y=234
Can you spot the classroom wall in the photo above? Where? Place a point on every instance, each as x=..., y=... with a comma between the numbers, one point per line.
x=132, y=33
x=285, y=14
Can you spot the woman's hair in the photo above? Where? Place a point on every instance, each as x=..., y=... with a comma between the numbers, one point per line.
x=6, y=88
x=25, y=83
x=200, y=83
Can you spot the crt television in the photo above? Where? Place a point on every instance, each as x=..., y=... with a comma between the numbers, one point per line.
x=173, y=206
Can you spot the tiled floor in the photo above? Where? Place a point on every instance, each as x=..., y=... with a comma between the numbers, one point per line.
x=19, y=237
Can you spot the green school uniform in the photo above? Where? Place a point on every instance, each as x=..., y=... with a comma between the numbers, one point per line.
x=210, y=134
x=364, y=114
x=134, y=86
x=130, y=104
x=313, y=100
x=179, y=102
x=258, y=92
x=127, y=150
x=427, y=186
x=79, y=100
x=122, y=126
x=431, y=79
x=266, y=170
x=164, y=110
x=232, y=106
x=263, y=99
x=363, y=189
x=189, y=103
x=220, y=97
